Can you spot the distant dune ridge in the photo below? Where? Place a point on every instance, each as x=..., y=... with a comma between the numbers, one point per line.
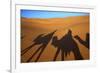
x=32, y=27
x=55, y=21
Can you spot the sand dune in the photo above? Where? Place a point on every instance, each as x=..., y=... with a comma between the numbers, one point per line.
x=58, y=22
x=31, y=27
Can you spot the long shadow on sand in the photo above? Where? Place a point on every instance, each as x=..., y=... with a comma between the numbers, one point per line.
x=44, y=40
x=66, y=44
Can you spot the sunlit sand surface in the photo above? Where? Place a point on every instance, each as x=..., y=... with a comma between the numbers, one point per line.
x=31, y=28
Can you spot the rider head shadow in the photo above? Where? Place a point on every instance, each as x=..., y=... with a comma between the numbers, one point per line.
x=66, y=45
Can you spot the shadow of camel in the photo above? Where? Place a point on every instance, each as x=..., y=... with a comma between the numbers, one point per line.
x=84, y=42
x=43, y=40
x=66, y=45
x=36, y=40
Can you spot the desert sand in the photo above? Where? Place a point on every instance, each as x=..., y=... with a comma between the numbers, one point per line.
x=32, y=27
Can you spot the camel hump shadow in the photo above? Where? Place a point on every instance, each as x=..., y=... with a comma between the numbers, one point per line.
x=67, y=44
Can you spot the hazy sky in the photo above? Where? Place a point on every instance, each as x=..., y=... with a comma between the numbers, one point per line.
x=49, y=14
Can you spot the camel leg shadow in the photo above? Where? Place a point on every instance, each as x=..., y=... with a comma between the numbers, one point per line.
x=57, y=52
x=27, y=49
x=62, y=55
x=77, y=54
x=40, y=53
x=34, y=54
x=40, y=48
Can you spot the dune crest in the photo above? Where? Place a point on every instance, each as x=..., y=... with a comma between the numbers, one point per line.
x=51, y=22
